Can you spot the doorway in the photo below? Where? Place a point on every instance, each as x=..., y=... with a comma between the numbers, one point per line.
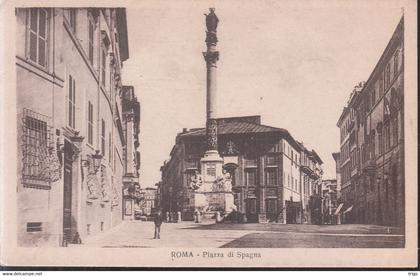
x=271, y=206
x=251, y=210
x=291, y=212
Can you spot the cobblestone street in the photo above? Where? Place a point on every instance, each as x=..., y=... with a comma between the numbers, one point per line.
x=189, y=234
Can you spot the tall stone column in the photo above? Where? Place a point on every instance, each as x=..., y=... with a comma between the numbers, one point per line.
x=211, y=163
x=213, y=187
x=211, y=57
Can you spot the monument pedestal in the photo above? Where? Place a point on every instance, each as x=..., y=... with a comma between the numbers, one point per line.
x=214, y=194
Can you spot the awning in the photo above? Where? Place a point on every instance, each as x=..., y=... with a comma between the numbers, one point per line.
x=337, y=211
x=348, y=209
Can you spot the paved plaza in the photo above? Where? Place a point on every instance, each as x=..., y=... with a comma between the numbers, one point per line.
x=208, y=234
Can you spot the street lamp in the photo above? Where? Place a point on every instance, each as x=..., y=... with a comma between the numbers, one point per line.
x=170, y=203
x=97, y=158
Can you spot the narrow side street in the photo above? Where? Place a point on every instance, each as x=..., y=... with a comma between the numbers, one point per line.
x=189, y=234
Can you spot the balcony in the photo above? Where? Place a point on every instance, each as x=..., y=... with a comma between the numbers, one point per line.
x=130, y=178
x=306, y=169
x=314, y=175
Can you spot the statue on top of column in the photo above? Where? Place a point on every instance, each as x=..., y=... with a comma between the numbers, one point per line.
x=211, y=21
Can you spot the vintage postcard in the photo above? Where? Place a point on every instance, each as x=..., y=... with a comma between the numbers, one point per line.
x=209, y=133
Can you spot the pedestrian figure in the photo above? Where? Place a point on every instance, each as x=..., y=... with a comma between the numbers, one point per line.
x=158, y=222
x=167, y=216
x=196, y=216
x=77, y=239
x=179, y=216
x=218, y=217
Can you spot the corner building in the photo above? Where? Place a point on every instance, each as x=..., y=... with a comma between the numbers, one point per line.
x=70, y=134
x=372, y=142
x=265, y=164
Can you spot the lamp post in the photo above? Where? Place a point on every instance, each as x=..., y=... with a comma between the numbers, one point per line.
x=170, y=204
x=97, y=158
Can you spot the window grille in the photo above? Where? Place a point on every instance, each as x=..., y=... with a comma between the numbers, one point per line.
x=40, y=164
x=34, y=227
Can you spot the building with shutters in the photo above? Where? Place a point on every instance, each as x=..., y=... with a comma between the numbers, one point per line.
x=71, y=140
x=372, y=142
x=274, y=177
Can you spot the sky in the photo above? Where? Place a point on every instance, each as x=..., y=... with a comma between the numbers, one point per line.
x=293, y=63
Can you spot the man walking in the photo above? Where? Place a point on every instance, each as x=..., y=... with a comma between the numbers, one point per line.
x=158, y=222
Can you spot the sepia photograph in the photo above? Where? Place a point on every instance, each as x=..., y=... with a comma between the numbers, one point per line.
x=203, y=133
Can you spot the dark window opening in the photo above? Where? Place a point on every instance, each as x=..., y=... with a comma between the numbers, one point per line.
x=34, y=227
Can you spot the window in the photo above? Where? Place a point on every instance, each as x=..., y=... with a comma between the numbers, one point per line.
x=271, y=177
x=109, y=148
x=396, y=64
x=373, y=100
x=372, y=146
x=103, y=69
x=90, y=123
x=72, y=103
x=250, y=178
x=34, y=227
x=380, y=142
x=387, y=76
x=70, y=16
x=387, y=137
x=91, y=28
x=271, y=160
x=103, y=138
x=395, y=131
x=381, y=84
x=38, y=36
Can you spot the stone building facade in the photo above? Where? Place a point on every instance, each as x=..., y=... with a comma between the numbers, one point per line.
x=265, y=165
x=372, y=166
x=329, y=201
x=70, y=136
x=131, y=156
x=336, y=156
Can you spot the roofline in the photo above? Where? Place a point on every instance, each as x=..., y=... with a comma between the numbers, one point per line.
x=397, y=29
x=122, y=34
x=317, y=156
x=375, y=69
x=343, y=113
